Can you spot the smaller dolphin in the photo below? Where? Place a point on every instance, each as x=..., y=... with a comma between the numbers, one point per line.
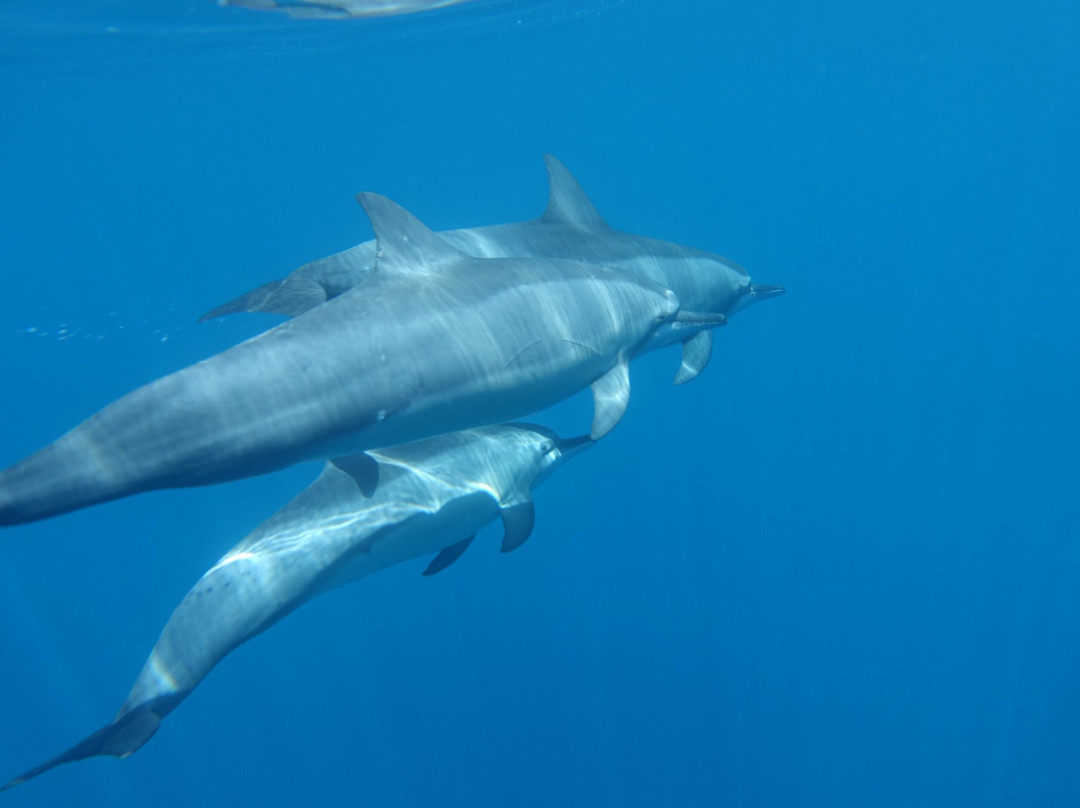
x=435, y=496
x=570, y=229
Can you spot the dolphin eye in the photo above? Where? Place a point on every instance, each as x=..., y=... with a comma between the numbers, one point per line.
x=547, y=446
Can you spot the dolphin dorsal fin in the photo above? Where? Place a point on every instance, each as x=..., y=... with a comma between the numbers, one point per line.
x=568, y=203
x=363, y=468
x=403, y=242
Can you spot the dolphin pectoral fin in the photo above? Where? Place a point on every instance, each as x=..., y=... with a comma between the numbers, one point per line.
x=518, y=523
x=448, y=556
x=568, y=203
x=119, y=739
x=696, y=352
x=363, y=468
x=611, y=394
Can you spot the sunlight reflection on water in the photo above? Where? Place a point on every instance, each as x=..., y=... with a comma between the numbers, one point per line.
x=126, y=35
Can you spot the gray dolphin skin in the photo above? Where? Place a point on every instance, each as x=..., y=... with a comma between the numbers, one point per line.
x=570, y=229
x=433, y=341
x=435, y=496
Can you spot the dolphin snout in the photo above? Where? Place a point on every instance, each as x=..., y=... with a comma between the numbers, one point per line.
x=766, y=290
x=567, y=445
x=753, y=292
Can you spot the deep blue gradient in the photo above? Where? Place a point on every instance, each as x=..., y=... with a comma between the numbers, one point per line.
x=840, y=568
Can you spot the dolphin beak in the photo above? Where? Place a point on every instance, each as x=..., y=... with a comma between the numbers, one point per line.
x=766, y=290
x=568, y=447
x=700, y=319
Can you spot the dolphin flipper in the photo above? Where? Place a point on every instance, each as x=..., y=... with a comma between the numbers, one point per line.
x=448, y=556
x=696, y=352
x=363, y=468
x=611, y=394
x=518, y=520
x=119, y=739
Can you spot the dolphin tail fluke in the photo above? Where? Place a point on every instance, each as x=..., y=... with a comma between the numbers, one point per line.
x=119, y=739
x=292, y=297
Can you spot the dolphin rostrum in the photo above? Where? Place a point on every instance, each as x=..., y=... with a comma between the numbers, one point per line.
x=434, y=341
x=435, y=495
x=570, y=229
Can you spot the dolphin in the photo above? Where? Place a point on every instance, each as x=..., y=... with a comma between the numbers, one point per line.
x=435, y=496
x=570, y=229
x=341, y=9
x=434, y=341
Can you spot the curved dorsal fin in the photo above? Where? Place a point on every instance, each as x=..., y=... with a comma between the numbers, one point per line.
x=404, y=243
x=568, y=203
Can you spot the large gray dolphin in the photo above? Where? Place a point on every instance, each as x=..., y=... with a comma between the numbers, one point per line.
x=434, y=341
x=435, y=495
x=570, y=229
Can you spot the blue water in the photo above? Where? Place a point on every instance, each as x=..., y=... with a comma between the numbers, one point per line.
x=838, y=569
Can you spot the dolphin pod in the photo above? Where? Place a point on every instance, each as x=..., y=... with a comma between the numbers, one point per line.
x=570, y=229
x=434, y=497
x=420, y=342
x=433, y=341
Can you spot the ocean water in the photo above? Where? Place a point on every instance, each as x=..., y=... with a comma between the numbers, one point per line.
x=838, y=569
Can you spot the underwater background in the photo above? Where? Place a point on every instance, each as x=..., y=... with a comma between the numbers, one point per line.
x=840, y=568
